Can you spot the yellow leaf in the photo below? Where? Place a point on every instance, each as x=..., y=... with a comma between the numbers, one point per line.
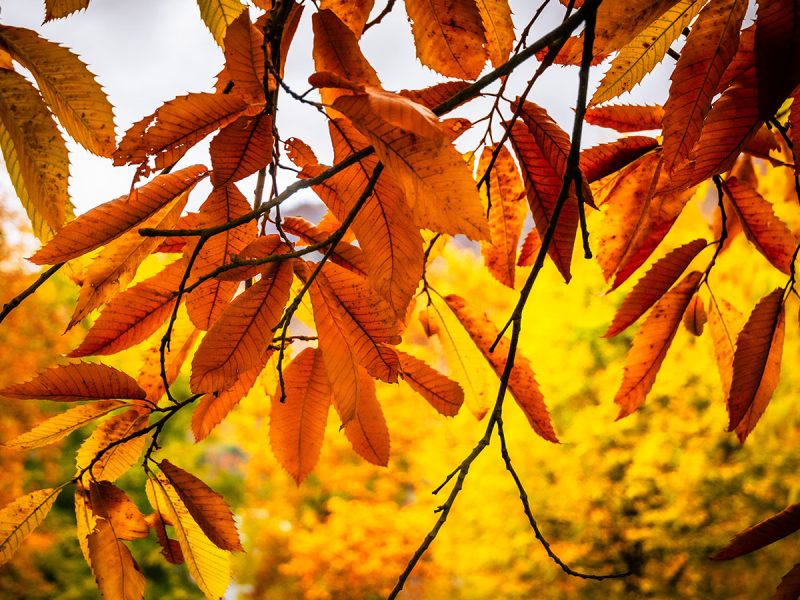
x=218, y=14
x=121, y=456
x=208, y=564
x=21, y=517
x=499, y=29
x=68, y=87
x=75, y=382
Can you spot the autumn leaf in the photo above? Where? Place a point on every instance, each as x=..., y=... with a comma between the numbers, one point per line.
x=521, y=381
x=218, y=15
x=709, y=48
x=117, y=574
x=35, y=154
x=208, y=509
x=762, y=534
x=238, y=339
x=345, y=255
x=117, y=263
x=108, y=221
x=367, y=431
x=112, y=504
x=244, y=59
x=530, y=249
x=353, y=13
x=442, y=393
x=789, y=587
x=85, y=519
x=506, y=193
x=76, y=382
x=58, y=9
x=449, y=36
x=21, y=517
x=408, y=139
x=207, y=302
x=297, y=422
x=133, y=315
x=602, y=160
x=626, y=118
x=61, y=425
x=724, y=323
x=645, y=51
x=695, y=317
x=208, y=565
x=651, y=343
x=653, y=285
x=120, y=456
x=756, y=364
x=182, y=342
x=777, y=53
x=68, y=87
x=761, y=226
x=176, y=126
x=241, y=148
x=498, y=29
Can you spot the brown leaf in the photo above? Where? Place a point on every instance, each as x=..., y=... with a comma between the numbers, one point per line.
x=777, y=53
x=297, y=423
x=789, y=588
x=695, y=318
x=651, y=343
x=241, y=148
x=653, y=285
x=207, y=507
x=762, y=534
x=756, y=364
x=76, y=382
x=602, y=160
x=108, y=221
x=244, y=59
x=57, y=9
x=521, y=382
x=112, y=504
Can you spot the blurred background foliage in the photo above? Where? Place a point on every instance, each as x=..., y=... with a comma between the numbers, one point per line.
x=656, y=492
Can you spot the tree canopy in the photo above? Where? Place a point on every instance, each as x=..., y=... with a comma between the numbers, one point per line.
x=223, y=296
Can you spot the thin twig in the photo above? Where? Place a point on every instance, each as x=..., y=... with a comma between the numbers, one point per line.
x=19, y=298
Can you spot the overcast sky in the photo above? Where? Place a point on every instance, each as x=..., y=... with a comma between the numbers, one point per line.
x=149, y=51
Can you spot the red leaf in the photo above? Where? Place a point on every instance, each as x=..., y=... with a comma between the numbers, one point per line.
x=762, y=534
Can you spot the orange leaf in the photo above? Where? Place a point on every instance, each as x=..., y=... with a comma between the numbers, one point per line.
x=118, y=262
x=709, y=48
x=530, y=249
x=206, y=303
x=626, y=118
x=345, y=255
x=543, y=185
x=604, y=159
x=756, y=364
x=443, y=394
x=449, y=36
x=121, y=456
x=75, y=382
x=208, y=509
x=336, y=51
x=434, y=95
x=353, y=13
x=349, y=313
x=108, y=221
x=297, y=424
x=176, y=126
x=522, y=381
x=724, y=323
x=182, y=343
x=241, y=148
x=498, y=28
x=213, y=408
x=651, y=343
x=239, y=338
x=653, y=285
x=244, y=59
x=57, y=9
x=761, y=226
x=115, y=570
x=506, y=216
x=762, y=534
x=134, y=315
x=367, y=431
x=411, y=143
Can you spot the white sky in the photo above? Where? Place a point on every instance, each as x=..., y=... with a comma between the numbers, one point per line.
x=146, y=52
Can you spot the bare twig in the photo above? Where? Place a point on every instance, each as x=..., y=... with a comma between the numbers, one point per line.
x=19, y=298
